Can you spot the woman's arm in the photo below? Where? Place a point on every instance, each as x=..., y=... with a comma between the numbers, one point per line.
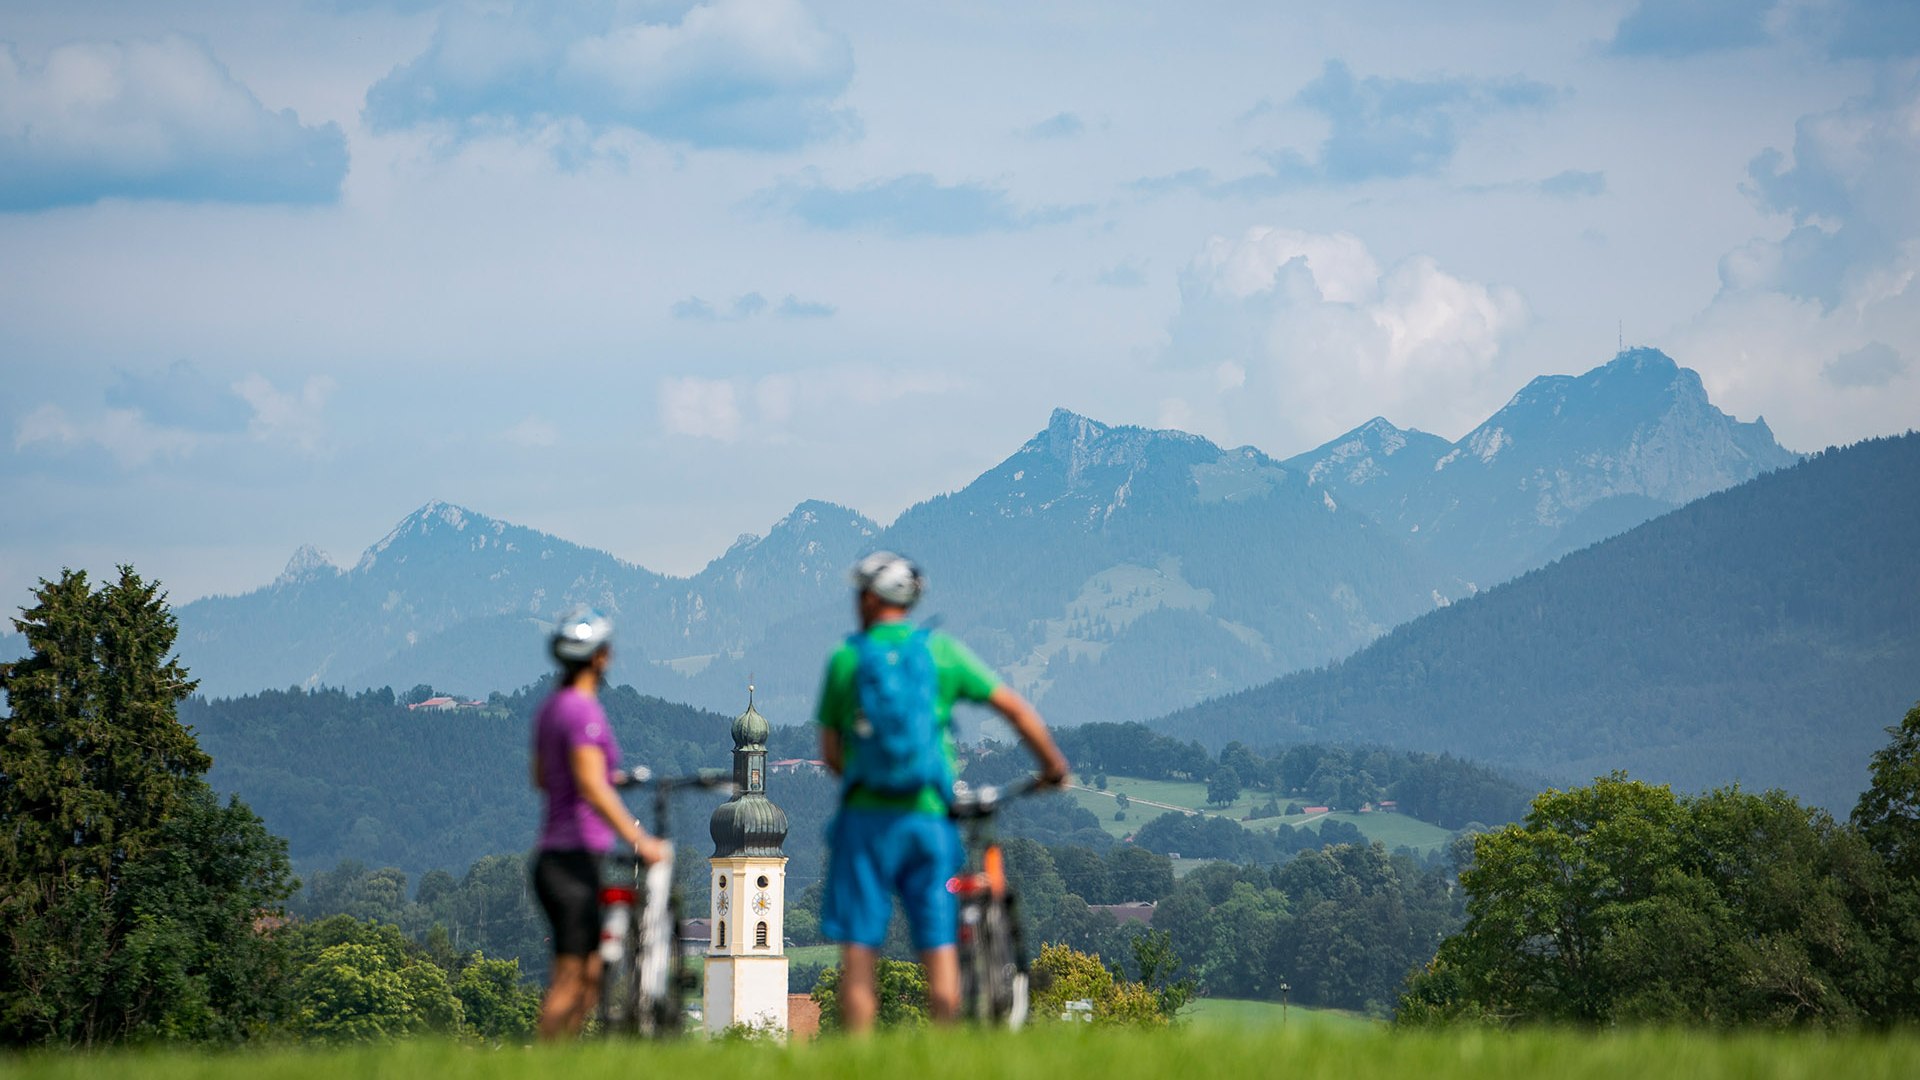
x=590, y=775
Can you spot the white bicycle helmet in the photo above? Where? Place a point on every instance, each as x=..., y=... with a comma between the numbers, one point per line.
x=893, y=578
x=579, y=634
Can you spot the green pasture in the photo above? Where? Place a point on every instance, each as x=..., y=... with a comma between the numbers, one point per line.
x=814, y=954
x=1238, y=1013
x=1315, y=1051
x=1391, y=830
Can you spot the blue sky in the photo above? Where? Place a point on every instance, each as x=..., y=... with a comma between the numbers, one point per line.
x=647, y=274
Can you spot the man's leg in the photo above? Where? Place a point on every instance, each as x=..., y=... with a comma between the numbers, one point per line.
x=943, y=983
x=859, y=998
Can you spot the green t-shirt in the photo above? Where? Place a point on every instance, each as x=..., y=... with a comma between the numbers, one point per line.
x=963, y=676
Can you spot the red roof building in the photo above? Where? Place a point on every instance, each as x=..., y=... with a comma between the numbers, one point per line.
x=1139, y=911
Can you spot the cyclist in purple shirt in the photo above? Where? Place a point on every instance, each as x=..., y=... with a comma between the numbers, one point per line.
x=574, y=755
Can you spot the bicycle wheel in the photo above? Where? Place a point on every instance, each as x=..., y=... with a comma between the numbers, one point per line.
x=1002, y=972
x=619, y=1009
x=975, y=1002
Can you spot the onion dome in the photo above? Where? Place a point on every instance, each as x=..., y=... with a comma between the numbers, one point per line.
x=750, y=729
x=749, y=824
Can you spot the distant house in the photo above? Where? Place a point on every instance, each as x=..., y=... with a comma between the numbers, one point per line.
x=1316, y=809
x=695, y=935
x=794, y=765
x=1387, y=806
x=1139, y=912
x=445, y=704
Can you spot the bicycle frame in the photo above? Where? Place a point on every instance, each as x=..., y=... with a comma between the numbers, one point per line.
x=993, y=962
x=643, y=980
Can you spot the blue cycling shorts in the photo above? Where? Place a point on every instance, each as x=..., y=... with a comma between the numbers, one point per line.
x=875, y=855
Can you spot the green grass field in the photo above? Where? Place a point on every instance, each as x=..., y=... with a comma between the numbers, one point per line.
x=1299, y=1052
x=1236, y=1013
x=814, y=954
x=1392, y=830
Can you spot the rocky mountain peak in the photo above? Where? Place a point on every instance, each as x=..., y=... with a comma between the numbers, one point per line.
x=1362, y=455
x=308, y=563
x=1082, y=444
x=1641, y=360
x=432, y=521
x=1068, y=434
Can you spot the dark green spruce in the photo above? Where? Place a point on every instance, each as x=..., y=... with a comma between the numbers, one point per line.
x=131, y=893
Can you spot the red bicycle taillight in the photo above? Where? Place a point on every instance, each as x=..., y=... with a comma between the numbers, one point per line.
x=966, y=884
x=618, y=894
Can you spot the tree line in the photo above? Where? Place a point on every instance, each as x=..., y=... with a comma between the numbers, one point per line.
x=137, y=906
x=1623, y=902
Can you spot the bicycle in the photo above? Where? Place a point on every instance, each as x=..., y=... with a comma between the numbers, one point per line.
x=993, y=957
x=644, y=977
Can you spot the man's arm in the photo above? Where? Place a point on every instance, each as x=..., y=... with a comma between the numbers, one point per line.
x=1033, y=732
x=832, y=750
x=590, y=775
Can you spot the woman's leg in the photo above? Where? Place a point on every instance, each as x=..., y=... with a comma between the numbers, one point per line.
x=565, y=1006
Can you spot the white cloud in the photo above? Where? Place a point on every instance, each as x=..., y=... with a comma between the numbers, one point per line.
x=124, y=433
x=1304, y=335
x=700, y=408
x=1817, y=330
x=159, y=119
x=774, y=397
x=771, y=407
x=761, y=74
x=281, y=416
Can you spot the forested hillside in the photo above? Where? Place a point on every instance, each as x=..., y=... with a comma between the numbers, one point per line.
x=1762, y=634
x=361, y=776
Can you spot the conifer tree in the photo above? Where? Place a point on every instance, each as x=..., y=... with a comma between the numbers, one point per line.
x=129, y=892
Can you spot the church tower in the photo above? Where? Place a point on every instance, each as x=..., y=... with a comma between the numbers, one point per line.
x=746, y=956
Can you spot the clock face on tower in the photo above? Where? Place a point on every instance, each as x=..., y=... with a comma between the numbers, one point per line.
x=762, y=903
x=722, y=903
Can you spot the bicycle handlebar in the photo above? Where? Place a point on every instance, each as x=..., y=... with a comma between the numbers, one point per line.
x=641, y=776
x=984, y=801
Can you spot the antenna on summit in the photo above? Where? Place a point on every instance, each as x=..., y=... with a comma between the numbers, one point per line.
x=1620, y=328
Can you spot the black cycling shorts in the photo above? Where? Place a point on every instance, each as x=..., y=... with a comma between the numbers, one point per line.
x=568, y=885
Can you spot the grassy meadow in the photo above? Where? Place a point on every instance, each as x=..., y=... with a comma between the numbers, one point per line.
x=1392, y=830
x=1306, y=1051
x=1238, y=1014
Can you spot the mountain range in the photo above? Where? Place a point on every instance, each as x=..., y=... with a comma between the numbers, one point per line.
x=1766, y=634
x=1569, y=461
x=1113, y=572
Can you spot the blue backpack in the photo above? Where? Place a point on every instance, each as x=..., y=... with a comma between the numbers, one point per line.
x=897, y=748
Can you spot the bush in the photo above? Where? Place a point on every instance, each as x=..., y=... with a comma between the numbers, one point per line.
x=903, y=995
x=1066, y=974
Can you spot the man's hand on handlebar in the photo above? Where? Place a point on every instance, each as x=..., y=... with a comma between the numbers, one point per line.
x=1053, y=770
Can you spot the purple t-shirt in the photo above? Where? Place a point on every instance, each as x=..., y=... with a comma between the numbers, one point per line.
x=568, y=719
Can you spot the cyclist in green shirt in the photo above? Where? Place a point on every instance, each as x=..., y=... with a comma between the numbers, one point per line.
x=887, y=843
